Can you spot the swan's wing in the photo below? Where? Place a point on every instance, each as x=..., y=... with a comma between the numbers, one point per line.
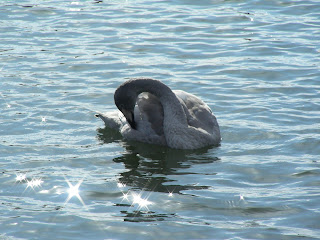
x=149, y=112
x=199, y=115
x=111, y=119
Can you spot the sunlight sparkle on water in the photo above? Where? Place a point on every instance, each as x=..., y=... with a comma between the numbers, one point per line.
x=142, y=202
x=135, y=198
x=21, y=177
x=241, y=197
x=121, y=185
x=125, y=196
x=34, y=182
x=74, y=192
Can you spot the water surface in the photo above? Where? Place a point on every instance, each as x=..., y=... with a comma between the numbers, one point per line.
x=63, y=175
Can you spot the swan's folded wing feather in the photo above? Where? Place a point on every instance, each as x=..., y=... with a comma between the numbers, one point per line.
x=151, y=111
x=199, y=115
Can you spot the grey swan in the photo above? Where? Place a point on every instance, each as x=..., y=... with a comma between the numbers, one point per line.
x=153, y=113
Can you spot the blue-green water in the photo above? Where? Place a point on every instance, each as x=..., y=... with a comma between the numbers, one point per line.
x=256, y=63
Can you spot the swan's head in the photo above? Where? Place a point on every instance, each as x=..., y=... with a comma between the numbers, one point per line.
x=125, y=101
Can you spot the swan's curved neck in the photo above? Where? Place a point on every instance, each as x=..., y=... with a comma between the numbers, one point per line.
x=173, y=110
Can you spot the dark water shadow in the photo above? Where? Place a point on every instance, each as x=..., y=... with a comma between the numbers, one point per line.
x=108, y=135
x=148, y=167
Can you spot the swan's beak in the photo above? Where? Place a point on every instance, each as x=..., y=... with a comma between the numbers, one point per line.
x=130, y=117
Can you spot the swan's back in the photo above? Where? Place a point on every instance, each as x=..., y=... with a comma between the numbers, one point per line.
x=199, y=115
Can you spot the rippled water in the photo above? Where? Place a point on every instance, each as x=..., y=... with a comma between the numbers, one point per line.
x=64, y=176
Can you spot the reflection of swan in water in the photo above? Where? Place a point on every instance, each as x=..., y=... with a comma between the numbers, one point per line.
x=173, y=118
x=156, y=175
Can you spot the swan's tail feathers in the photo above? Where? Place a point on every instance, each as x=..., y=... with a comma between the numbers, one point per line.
x=111, y=119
